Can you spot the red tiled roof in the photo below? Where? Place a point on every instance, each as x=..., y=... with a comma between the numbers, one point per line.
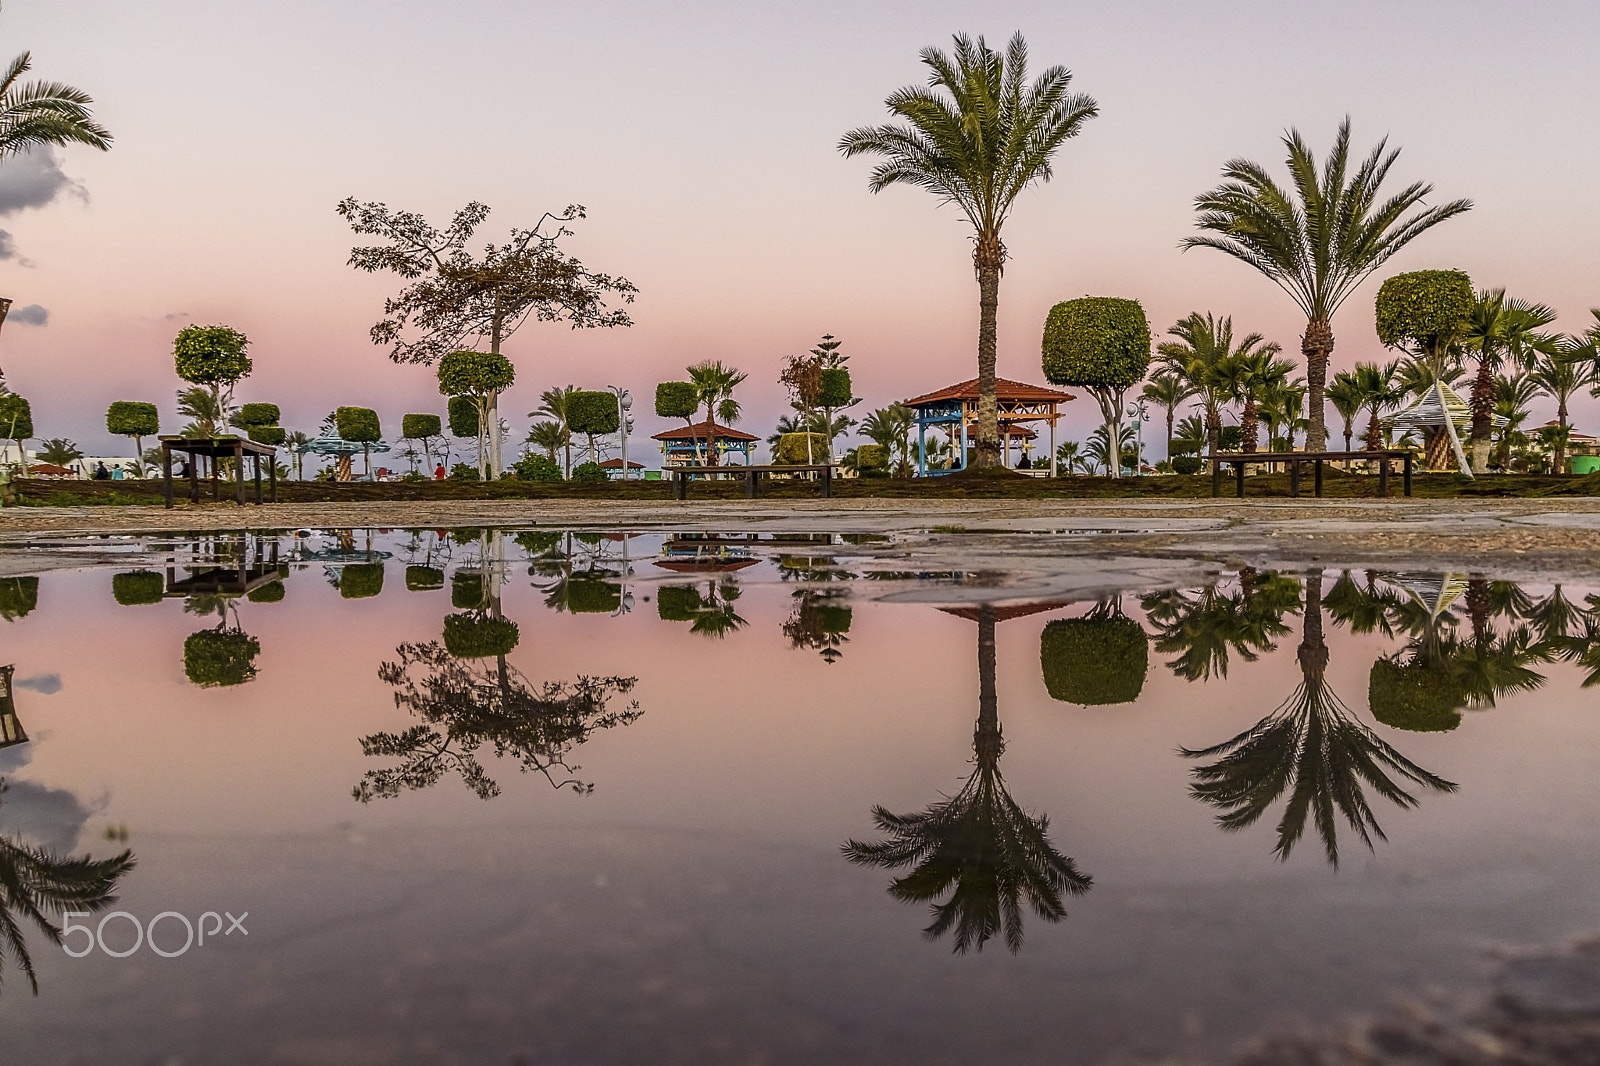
x=1004, y=390
x=698, y=432
x=616, y=464
x=1005, y=614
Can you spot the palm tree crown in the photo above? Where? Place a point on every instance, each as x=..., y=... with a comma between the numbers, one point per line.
x=1319, y=239
x=39, y=113
x=976, y=136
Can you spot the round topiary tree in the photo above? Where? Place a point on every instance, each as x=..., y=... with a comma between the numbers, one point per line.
x=216, y=357
x=1102, y=344
x=134, y=588
x=1429, y=309
x=463, y=415
x=19, y=596
x=257, y=414
x=480, y=376
x=677, y=399
x=358, y=581
x=424, y=428
x=1415, y=697
x=424, y=578
x=594, y=414
x=16, y=423
x=272, y=435
x=794, y=448
x=474, y=636
x=872, y=459
x=359, y=425
x=834, y=395
x=592, y=595
x=1099, y=659
x=218, y=658
x=131, y=418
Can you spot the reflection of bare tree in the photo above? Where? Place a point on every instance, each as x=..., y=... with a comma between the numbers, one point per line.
x=978, y=845
x=37, y=885
x=819, y=621
x=464, y=706
x=1312, y=749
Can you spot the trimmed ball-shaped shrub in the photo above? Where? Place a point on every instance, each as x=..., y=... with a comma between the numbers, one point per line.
x=19, y=596
x=211, y=355
x=424, y=578
x=258, y=414
x=1095, y=341
x=16, y=417
x=592, y=413
x=677, y=399
x=1414, y=697
x=269, y=435
x=463, y=412
x=475, y=373
x=469, y=636
x=835, y=391
x=535, y=467
x=271, y=592
x=217, y=658
x=358, y=581
x=1422, y=306
x=466, y=590
x=791, y=448
x=590, y=474
x=872, y=457
x=130, y=418
x=589, y=595
x=135, y=588
x=1187, y=464
x=678, y=603
x=417, y=427
x=1094, y=661
x=359, y=424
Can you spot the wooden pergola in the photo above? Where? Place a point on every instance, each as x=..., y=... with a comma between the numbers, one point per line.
x=214, y=448
x=1018, y=403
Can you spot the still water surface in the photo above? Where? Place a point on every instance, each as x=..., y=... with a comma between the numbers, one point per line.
x=553, y=797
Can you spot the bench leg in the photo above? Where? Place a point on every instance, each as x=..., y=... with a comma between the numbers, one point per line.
x=680, y=486
x=749, y=484
x=1294, y=479
x=827, y=482
x=1318, y=476
x=1408, y=475
x=1238, y=479
x=1383, y=476
x=166, y=474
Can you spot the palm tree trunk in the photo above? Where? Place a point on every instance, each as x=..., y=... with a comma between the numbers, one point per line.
x=1482, y=414
x=987, y=742
x=711, y=432
x=1213, y=430
x=1248, y=426
x=1374, y=431
x=1316, y=347
x=987, y=257
x=1313, y=650
x=1561, y=442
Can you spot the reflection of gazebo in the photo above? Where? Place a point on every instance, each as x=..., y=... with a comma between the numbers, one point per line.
x=681, y=447
x=957, y=405
x=11, y=731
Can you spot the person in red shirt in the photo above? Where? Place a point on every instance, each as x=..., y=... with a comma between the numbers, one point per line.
x=438, y=472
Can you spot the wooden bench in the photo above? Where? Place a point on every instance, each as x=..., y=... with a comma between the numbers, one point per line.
x=227, y=447
x=1240, y=460
x=681, y=475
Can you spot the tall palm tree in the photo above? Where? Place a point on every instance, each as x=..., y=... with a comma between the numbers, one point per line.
x=37, y=885
x=549, y=436
x=979, y=844
x=1344, y=392
x=1167, y=389
x=39, y=113
x=1376, y=384
x=1203, y=348
x=1559, y=370
x=1319, y=239
x=58, y=451
x=553, y=404
x=1512, y=395
x=1246, y=378
x=714, y=385
x=977, y=136
x=1498, y=329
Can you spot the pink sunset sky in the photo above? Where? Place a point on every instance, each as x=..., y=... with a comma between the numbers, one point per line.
x=701, y=137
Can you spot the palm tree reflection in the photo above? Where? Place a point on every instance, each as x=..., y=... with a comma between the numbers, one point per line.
x=1314, y=750
x=979, y=845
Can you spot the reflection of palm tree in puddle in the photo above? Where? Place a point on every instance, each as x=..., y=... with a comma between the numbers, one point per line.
x=1207, y=627
x=1312, y=748
x=978, y=845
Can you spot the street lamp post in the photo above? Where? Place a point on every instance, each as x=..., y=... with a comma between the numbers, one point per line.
x=1137, y=412
x=624, y=420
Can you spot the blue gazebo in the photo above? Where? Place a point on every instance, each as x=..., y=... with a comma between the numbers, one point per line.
x=957, y=405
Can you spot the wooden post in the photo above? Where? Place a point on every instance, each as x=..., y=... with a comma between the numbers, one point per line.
x=257, y=468
x=194, y=476
x=1238, y=477
x=238, y=473
x=166, y=472
x=1408, y=473
x=1216, y=478
x=680, y=484
x=1294, y=479
x=272, y=480
x=749, y=482
x=1383, y=475
x=1318, y=476
x=827, y=481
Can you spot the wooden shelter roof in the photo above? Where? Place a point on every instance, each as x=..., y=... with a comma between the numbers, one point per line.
x=1005, y=390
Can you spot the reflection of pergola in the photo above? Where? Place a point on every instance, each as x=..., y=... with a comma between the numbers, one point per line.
x=1019, y=403
x=256, y=569
x=679, y=447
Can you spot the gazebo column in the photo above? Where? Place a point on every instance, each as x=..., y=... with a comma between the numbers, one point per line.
x=963, y=465
x=166, y=471
x=922, y=446
x=1053, y=471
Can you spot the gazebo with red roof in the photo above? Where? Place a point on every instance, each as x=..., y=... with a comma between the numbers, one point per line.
x=682, y=447
x=1018, y=402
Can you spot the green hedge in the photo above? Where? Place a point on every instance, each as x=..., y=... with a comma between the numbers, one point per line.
x=211, y=355
x=466, y=590
x=269, y=593
x=1187, y=464
x=424, y=578
x=19, y=596
x=1094, y=661
x=359, y=424
x=416, y=427
x=358, y=581
x=590, y=474
x=129, y=418
x=270, y=435
x=463, y=411
x=134, y=588
x=470, y=636
x=536, y=467
x=258, y=414
x=589, y=595
x=872, y=457
x=677, y=399
x=592, y=413
x=792, y=448
x=216, y=658
x=1096, y=341
x=678, y=603
x=1414, y=697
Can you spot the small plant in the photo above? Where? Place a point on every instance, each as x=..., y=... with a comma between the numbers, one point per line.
x=589, y=474
x=1187, y=464
x=464, y=472
x=536, y=467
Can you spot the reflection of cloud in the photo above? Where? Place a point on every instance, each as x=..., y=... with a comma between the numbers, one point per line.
x=31, y=315
x=8, y=249
x=34, y=179
x=43, y=684
x=52, y=817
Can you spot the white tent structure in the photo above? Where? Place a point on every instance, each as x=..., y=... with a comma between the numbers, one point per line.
x=1429, y=413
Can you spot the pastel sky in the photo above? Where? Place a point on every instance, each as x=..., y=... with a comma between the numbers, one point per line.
x=701, y=136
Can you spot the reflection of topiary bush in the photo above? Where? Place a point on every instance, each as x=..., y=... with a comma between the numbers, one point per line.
x=360, y=580
x=832, y=618
x=537, y=541
x=269, y=593
x=18, y=596
x=678, y=603
x=137, y=587
x=214, y=658
x=590, y=595
x=1094, y=661
x=469, y=636
x=466, y=590
x=1187, y=464
x=424, y=578
x=589, y=474
x=792, y=448
x=1414, y=697
x=536, y=467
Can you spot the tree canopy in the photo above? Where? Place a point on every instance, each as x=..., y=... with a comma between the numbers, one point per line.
x=211, y=355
